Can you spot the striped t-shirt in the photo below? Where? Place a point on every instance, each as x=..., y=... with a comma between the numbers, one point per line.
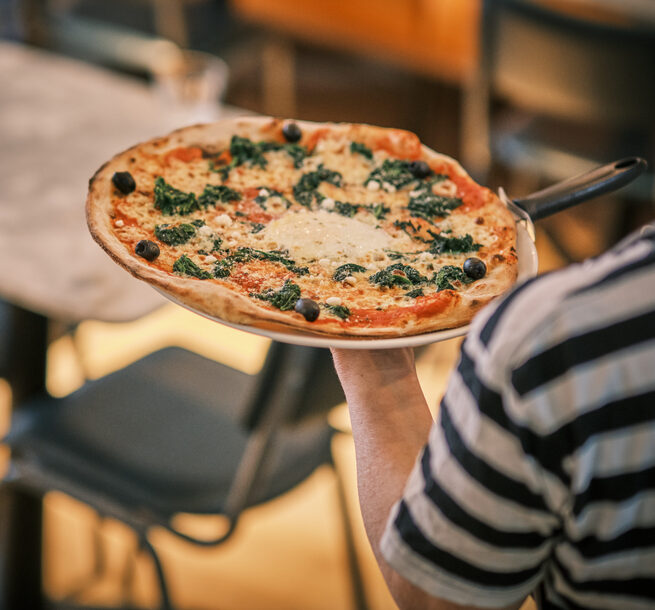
x=539, y=475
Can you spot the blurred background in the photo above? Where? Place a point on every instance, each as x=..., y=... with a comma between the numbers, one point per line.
x=522, y=92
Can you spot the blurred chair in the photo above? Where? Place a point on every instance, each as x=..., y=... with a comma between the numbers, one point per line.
x=48, y=21
x=159, y=56
x=434, y=38
x=557, y=92
x=177, y=433
x=5, y=314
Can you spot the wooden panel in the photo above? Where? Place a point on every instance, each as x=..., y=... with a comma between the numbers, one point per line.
x=433, y=37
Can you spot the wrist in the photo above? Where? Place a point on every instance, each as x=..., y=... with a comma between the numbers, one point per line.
x=379, y=379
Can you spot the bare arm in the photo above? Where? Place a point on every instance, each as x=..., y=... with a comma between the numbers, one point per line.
x=390, y=421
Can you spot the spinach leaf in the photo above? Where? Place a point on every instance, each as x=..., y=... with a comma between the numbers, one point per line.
x=393, y=254
x=343, y=271
x=423, y=203
x=214, y=193
x=362, y=149
x=341, y=311
x=176, y=235
x=448, y=274
x=379, y=210
x=284, y=299
x=170, y=200
x=392, y=171
x=223, y=267
x=305, y=191
x=185, y=266
x=407, y=226
x=431, y=206
x=296, y=152
x=452, y=245
x=243, y=150
x=277, y=256
x=261, y=200
x=346, y=209
x=417, y=292
x=397, y=275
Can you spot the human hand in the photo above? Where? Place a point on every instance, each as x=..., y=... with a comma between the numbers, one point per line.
x=384, y=365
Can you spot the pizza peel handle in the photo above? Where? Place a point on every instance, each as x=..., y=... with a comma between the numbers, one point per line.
x=603, y=179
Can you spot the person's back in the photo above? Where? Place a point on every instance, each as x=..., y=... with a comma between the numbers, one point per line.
x=540, y=473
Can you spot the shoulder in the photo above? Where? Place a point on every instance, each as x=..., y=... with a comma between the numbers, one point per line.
x=549, y=349
x=554, y=307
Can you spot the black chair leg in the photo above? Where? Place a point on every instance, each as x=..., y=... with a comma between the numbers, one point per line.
x=21, y=529
x=356, y=580
x=161, y=578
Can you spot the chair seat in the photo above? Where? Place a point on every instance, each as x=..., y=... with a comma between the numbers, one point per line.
x=162, y=436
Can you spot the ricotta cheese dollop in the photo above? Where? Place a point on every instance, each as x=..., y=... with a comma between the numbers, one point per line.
x=319, y=235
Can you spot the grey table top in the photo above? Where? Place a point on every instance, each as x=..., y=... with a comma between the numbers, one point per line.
x=60, y=119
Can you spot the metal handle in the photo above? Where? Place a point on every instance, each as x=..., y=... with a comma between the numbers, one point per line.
x=599, y=181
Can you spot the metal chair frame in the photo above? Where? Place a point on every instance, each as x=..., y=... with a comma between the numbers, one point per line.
x=550, y=64
x=279, y=399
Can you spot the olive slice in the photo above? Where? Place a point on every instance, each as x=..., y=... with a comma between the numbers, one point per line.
x=419, y=169
x=124, y=182
x=147, y=249
x=291, y=132
x=308, y=308
x=474, y=268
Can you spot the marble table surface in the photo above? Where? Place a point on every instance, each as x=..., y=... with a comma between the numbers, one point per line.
x=60, y=119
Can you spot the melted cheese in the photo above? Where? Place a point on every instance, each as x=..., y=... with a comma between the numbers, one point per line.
x=310, y=236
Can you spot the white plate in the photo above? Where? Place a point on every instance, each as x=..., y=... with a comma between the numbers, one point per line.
x=527, y=255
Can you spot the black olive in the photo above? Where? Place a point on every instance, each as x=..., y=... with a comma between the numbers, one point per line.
x=474, y=268
x=124, y=182
x=291, y=132
x=419, y=169
x=147, y=249
x=307, y=308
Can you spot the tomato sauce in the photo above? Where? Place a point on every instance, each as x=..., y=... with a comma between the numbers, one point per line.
x=255, y=282
x=251, y=283
x=225, y=158
x=184, y=153
x=314, y=139
x=399, y=149
x=424, y=307
x=128, y=221
x=253, y=212
x=473, y=195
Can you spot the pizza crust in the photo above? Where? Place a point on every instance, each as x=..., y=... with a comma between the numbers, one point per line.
x=216, y=300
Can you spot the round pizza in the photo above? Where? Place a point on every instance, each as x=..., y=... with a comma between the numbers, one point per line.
x=335, y=228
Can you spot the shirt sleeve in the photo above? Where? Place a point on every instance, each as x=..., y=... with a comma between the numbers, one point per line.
x=474, y=525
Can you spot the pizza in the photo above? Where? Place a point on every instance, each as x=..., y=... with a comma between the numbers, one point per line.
x=332, y=228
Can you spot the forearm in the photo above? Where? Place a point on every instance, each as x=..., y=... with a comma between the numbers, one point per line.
x=390, y=421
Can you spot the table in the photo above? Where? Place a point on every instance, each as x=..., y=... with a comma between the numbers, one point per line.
x=60, y=119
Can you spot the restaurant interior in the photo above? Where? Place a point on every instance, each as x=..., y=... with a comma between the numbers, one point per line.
x=524, y=93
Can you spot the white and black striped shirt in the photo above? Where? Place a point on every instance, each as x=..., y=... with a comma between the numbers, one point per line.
x=539, y=475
